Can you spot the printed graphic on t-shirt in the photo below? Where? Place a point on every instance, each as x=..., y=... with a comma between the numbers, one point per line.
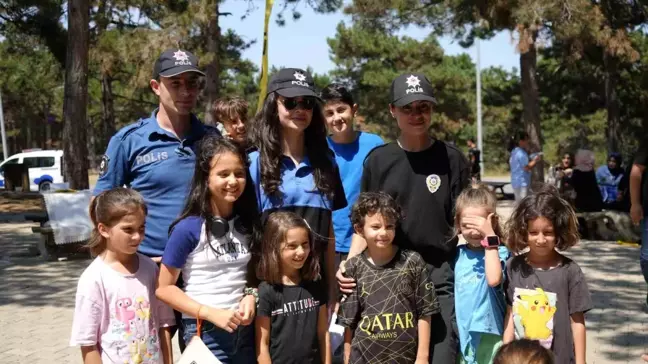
x=297, y=307
x=227, y=250
x=131, y=334
x=533, y=314
x=385, y=308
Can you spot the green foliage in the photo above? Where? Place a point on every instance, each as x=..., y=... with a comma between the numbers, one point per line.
x=368, y=59
x=123, y=48
x=31, y=83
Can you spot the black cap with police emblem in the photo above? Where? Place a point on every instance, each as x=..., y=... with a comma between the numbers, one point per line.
x=410, y=87
x=292, y=82
x=173, y=62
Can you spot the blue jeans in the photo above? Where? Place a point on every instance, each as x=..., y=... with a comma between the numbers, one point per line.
x=520, y=192
x=643, y=254
x=234, y=348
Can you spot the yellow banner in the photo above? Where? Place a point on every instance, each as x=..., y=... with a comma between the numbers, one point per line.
x=264, y=57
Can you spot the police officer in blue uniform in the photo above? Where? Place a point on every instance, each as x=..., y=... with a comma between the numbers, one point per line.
x=155, y=155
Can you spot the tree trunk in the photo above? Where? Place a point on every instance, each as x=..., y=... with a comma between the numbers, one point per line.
x=75, y=145
x=611, y=102
x=92, y=145
x=212, y=85
x=28, y=134
x=531, y=105
x=107, y=110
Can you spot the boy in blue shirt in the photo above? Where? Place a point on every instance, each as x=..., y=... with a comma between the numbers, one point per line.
x=351, y=148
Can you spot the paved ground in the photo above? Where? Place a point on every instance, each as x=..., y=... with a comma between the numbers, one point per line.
x=37, y=301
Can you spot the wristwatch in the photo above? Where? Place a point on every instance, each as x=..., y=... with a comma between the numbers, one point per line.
x=248, y=291
x=490, y=242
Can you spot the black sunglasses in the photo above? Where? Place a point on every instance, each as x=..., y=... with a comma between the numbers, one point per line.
x=307, y=103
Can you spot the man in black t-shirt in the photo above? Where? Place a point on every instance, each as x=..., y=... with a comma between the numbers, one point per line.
x=474, y=157
x=424, y=176
x=639, y=202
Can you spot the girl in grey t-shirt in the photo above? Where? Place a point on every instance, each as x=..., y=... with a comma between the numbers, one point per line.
x=546, y=292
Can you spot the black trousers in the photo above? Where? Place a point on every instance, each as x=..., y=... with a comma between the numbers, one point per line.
x=444, y=342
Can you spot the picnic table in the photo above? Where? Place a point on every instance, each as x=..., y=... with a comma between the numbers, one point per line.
x=65, y=227
x=495, y=185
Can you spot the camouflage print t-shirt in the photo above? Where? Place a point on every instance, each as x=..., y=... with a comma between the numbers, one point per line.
x=385, y=307
x=542, y=302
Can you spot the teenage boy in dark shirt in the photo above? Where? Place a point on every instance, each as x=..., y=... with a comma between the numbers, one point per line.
x=425, y=176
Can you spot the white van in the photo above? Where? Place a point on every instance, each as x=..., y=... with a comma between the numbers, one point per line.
x=44, y=168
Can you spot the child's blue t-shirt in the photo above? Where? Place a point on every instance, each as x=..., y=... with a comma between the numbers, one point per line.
x=479, y=307
x=350, y=158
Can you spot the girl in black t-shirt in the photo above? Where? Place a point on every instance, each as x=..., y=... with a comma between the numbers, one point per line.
x=292, y=319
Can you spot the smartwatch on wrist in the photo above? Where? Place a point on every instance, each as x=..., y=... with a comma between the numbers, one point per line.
x=490, y=242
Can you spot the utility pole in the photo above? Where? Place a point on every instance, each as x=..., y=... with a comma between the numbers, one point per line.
x=480, y=145
x=5, y=148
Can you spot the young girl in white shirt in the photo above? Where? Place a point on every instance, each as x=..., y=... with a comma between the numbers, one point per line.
x=210, y=244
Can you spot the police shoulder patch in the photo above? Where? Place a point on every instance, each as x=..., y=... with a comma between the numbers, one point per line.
x=103, y=166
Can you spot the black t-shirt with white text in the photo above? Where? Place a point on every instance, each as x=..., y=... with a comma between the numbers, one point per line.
x=384, y=309
x=426, y=185
x=293, y=313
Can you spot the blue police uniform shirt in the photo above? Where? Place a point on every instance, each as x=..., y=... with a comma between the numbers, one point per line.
x=301, y=196
x=350, y=160
x=158, y=165
x=519, y=177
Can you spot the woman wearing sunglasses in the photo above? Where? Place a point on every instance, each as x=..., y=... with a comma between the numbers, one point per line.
x=425, y=177
x=293, y=168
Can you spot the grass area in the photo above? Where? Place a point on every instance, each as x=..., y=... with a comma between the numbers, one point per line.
x=19, y=202
x=23, y=202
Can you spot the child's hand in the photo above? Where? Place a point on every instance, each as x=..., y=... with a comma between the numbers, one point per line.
x=347, y=285
x=484, y=226
x=247, y=309
x=227, y=320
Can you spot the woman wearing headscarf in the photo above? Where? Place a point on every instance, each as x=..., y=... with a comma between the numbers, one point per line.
x=608, y=178
x=588, y=195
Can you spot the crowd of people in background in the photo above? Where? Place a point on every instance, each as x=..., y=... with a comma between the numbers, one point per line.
x=261, y=236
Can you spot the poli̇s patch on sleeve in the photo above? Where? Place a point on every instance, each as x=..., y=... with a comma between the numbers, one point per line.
x=103, y=166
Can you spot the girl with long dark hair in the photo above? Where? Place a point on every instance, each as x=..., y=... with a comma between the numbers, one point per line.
x=293, y=169
x=211, y=244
